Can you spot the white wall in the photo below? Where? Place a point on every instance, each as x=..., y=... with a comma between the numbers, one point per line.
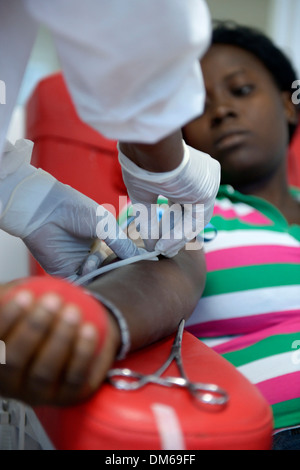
x=279, y=19
x=284, y=28
x=248, y=12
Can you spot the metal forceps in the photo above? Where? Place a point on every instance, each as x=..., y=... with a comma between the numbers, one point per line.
x=206, y=393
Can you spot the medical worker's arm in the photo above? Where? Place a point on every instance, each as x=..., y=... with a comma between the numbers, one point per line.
x=57, y=223
x=50, y=349
x=188, y=178
x=132, y=69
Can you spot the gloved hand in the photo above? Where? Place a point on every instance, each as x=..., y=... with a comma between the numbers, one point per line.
x=57, y=223
x=191, y=190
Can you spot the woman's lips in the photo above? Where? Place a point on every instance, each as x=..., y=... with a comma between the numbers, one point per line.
x=230, y=140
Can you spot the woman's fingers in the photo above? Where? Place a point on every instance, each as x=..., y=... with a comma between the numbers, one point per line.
x=44, y=374
x=74, y=385
x=52, y=356
x=13, y=310
x=25, y=324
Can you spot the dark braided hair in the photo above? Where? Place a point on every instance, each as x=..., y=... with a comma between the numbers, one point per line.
x=255, y=42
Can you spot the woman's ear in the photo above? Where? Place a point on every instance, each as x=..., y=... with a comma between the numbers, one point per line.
x=290, y=109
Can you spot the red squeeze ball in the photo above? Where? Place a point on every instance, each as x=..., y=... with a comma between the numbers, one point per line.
x=91, y=310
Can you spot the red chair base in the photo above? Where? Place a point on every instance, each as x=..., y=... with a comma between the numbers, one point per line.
x=160, y=418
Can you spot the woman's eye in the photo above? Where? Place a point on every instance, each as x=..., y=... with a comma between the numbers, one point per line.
x=243, y=90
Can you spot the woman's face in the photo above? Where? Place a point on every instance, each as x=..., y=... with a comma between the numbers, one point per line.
x=245, y=121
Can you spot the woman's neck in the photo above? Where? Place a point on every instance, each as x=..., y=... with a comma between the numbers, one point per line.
x=276, y=191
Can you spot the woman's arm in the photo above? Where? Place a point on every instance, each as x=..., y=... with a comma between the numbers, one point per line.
x=154, y=296
x=51, y=349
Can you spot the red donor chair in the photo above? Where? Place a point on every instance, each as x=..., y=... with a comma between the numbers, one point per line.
x=155, y=416
x=294, y=160
x=70, y=150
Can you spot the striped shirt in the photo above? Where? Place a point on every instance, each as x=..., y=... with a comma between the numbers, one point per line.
x=250, y=308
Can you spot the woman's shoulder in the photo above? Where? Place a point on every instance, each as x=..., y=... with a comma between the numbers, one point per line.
x=295, y=192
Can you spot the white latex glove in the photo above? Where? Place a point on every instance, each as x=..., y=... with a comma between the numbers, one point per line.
x=191, y=190
x=57, y=223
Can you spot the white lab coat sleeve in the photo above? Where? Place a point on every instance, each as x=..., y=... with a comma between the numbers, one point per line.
x=132, y=67
x=18, y=32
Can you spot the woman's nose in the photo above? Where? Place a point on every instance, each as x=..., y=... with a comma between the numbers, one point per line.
x=221, y=111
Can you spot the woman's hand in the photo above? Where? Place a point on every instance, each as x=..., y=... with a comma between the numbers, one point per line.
x=51, y=354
